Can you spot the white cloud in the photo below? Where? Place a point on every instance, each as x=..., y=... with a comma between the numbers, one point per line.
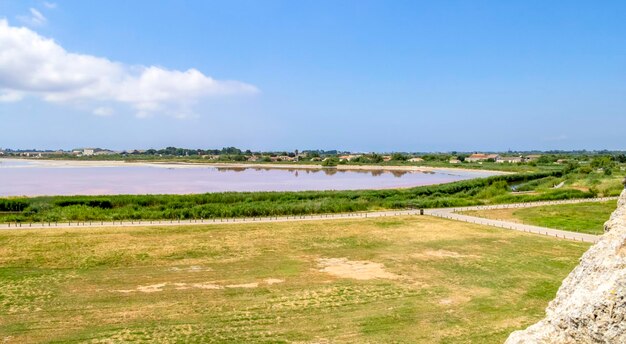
x=34, y=19
x=37, y=16
x=37, y=66
x=50, y=5
x=10, y=96
x=103, y=111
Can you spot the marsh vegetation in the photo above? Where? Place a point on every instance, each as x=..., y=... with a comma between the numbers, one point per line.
x=496, y=189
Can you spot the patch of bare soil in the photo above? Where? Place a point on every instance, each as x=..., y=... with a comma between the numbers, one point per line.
x=454, y=300
x=270, y=281
x=152, y=288
x=440, y=254
x=192, y=268
x=208, y=286
x=244, y=285
x=359, y=270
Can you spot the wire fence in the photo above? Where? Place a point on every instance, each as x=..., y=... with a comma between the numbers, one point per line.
x=447, y=213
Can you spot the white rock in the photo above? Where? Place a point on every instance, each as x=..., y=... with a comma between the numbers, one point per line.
x=590, y=306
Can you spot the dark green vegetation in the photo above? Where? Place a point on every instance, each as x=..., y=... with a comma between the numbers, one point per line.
x=219, y=205
x=607, y=161
x=580, y=217
x=430, y=281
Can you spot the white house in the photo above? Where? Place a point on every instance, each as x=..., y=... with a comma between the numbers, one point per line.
x=509, y=159
x=481, y=157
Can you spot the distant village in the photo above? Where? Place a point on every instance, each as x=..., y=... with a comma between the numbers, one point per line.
x=325, y=157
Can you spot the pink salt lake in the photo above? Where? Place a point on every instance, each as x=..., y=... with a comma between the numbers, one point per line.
x=36, y=178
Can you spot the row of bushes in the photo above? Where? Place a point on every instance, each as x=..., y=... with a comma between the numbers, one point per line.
x=13, y=204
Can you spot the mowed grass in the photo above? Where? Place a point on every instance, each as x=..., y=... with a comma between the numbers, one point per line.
x=438, y=281
x=580, y=217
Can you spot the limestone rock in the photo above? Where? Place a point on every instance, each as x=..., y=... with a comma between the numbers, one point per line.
x=590, y=306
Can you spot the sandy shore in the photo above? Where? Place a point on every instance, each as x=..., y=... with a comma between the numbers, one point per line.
x=84, y=163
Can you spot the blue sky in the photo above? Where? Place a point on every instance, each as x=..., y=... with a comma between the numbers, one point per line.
x=354, y=75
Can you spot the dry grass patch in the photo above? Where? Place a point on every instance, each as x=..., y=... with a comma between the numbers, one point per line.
x=358, y=270
x=442, y=254
x=410, y=279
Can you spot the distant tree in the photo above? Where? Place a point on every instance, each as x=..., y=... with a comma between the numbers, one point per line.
x=602, y=162
x=436, y=157
x=546, y=159
x=231, y=151
x=168, y=151
x=375, y=158
x=570, y=167
x=399, y=157
x=333, y=161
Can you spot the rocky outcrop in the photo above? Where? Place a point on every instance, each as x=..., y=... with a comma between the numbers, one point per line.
x=590, y=306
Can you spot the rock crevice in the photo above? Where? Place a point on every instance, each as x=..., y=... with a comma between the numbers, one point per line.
x=590, y=306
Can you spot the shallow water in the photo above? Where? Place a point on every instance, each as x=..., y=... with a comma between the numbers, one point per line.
x=34, y=178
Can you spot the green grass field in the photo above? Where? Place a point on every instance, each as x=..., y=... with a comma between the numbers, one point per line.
x=401, y=279
x=581, y=217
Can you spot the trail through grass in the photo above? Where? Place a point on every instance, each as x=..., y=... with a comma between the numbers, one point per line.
x=579, y=217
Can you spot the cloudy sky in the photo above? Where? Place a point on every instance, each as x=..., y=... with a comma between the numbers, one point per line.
x=356, y=75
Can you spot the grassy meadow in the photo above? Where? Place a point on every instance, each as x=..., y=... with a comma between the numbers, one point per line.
x=401, y=279
x=580, y=217
x=595, y=182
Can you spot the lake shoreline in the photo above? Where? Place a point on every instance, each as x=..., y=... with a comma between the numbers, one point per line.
x=38, y=177
x=103, y=163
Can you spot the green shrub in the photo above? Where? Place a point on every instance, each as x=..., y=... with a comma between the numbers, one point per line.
x=13, y=204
